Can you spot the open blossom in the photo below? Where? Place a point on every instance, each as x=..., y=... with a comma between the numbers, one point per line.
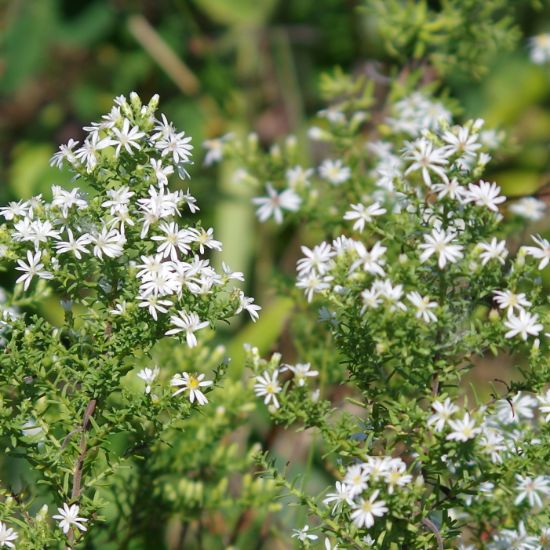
x=441, y=243
x=485, y=194
x=544, y=405
x=313, y=282
x=7, y=536
x=541, y=253
x=109, y=242
x=267, y=386
x=495, y=250
x=371, y=260
x=68, y=517
x=523, y=324
x=532, y=489
x=126, y=137
x=192, y=384
x=148, y=376
x=461, y=141
x=32, y=268
x=334, y=171
x=365, y=511
x=451, y=189
x=247, y=304
x=363, y=214
x=275, y=203
x=76, y=246
x=316, y=259
x=529, y=208
x=506, y=299
x=539, y=46
x=188, y=323
x=464, y=429
x=423, y=306
x=303, y=534
x=341, y=496
x=520, y=407
x=443, y=412
x=301, y=371
x=356, y=479
x=427, y=159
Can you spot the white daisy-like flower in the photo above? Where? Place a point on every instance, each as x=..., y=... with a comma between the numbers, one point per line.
x=188, y=323
x=192, y=384
x=68, y=517
x=541, y=253
x=7, y=536
x=33, y=267
x=423, y=306
x=316, y=259
x=334, y=171
x=363, y=214
x=443, y=413
x=267, y=386
x=523, y=324
x=485, y=194
x=506, y=299
x=126, y=137
x=274, y=204
x=341, y=496
x=529, y=208
x=539, y=47
x=301, y=371
x=303, y=534
x=532, y=489
x=463, y=429
x=148, y=376
x=427, y=158
x=441, y=243
x=495, y=250
x=366, y=511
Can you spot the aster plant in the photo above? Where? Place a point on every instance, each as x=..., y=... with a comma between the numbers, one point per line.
x=129, y=263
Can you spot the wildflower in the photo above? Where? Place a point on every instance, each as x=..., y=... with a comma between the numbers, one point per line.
x=316, y=259
x=109, y=242
x=76, y=246
x=520, y=407
x=275, y=203
x=298, y=177
x=118, y=199
x=423, y=306
x=371, y=260
x=363, y=214
x=544, y=401
x=267, y=385
x=193, y=385
x=65, y=153
x=440, y=242
x=495, y=250
x=65, y=200
x=531, y=489
x=523, y=324
x=356, y=479
x=312, y=283
x=530, y=208
x=506, y=299
x=339, y=497
x=68, y=516
x=188, y=323
x=214, y=149
x=161, y=172
x=148, y=376
x=542, y=253
x=451, y=189
x=7, y=536
x=177, y=145
x=31, y=268
x=485, y=194
x=443, y=412
x=463, y=429
x=301, y=372
x=154, y=304
x=247, y=304
x=334, y=171
x=427, y=159
x=365, y=511
x=539, y=46
x=173, y=240
x=395, y=476
x=303, y=534
x=461, y=142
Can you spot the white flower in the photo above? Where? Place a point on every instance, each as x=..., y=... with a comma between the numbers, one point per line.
x=495, y=250
x=439, y=242
x=298, y=177
x=391, y=294
x=520, y=407
x=31, y=268
x=532, y=489
x=542, y=253
x=463, y=429
x=363, y=214
x=192, y=384
x=269, y=387
x=530, y=208
x=461, y=142
x=316, y=259
x=173, y=240
x=248, y=305
x=177, y=145
x=395, y=476
x=301, y=372
x=540, y=48
x=109, y=242
x=356, y=479
x=161, y=172
x=275, y=203
x=65, y=153
x=205, y=238
x=118, y=199
x=313, y=282
x=506, y=299
x=443, y=412
x=67, y=199
x=523, y=324
x=148, y=376
x=371, y=260
x=451, y=189
x=68, y=516
x=423, y=306
x=126, y=138
x=334, y=171
x=154, y=304
x=341, y=496
x=544, y=401
x=7, y=536
x=485, y=194
x=14, y=210
x=427, y=159
x=188, y=323
x=76, y=246
x=366, y=510
x=303, y=534
x=214, y=149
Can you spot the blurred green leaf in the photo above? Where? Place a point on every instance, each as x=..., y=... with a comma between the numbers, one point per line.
x=237, y=12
